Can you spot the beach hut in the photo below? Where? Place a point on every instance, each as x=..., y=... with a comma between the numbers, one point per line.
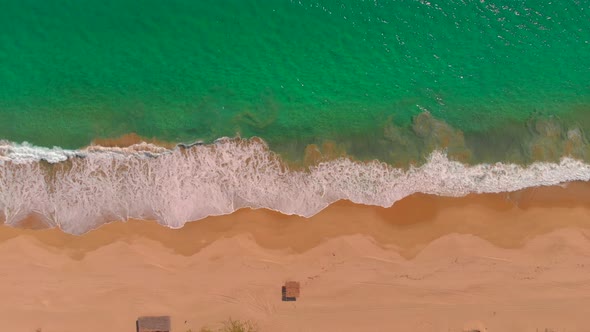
x=153, y=324
x=290, y=291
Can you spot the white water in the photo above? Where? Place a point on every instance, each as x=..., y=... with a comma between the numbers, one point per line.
x=175, y=186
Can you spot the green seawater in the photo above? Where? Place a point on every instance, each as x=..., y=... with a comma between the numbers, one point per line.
x=389, y=79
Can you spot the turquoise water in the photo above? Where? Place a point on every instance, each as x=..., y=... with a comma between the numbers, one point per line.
x=423, y=82
x=359, y=73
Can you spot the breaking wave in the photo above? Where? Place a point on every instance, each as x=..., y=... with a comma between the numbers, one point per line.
x=78, y=190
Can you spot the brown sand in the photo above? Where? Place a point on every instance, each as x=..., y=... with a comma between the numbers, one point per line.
x=503, y=262
x=128, y=140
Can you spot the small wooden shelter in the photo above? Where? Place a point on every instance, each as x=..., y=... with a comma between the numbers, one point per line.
x=290, y=291
x=153, y=324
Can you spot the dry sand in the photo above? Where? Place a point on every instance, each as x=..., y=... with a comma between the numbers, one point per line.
x=504, y=262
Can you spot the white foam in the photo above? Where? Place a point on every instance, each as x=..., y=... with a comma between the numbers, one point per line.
x=25, y=152
x=180, y=185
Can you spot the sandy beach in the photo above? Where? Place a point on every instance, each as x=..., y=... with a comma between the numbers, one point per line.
x=297, y=166
x=498, y=262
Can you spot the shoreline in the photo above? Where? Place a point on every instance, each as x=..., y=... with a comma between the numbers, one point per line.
x=419, y=217
x=176, y=186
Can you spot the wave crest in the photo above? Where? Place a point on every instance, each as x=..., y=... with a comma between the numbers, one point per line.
x=77, y=190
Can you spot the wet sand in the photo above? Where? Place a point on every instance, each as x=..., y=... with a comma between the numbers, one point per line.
x=504, y=262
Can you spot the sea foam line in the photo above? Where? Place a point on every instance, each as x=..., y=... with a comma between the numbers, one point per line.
x=87, y=187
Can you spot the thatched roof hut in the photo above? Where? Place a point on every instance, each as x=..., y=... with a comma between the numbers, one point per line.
x=290, y=291
x=153, y=324
x=292, y=288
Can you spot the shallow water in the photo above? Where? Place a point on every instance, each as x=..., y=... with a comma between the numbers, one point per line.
x=292, y=72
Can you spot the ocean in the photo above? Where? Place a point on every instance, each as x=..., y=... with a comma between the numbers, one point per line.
x=294, y=104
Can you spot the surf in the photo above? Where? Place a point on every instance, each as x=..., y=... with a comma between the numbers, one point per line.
x=79, y=190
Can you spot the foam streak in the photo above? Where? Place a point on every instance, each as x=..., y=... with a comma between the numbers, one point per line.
x=85, y=188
